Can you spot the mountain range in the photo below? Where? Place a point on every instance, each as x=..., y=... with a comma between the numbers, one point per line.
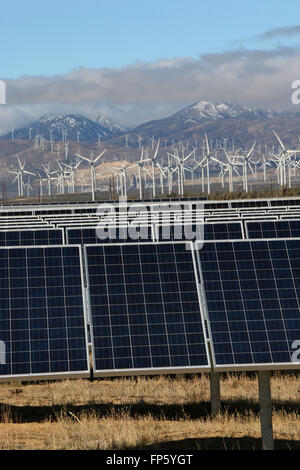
x=227, y=120
x=69, y=127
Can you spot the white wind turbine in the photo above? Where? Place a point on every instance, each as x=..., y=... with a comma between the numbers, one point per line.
x=246, y=163
x=205, y=162
x=72, y=168
x=121, y=178
x=92, y=163
x=20, y=173
x=63, y=176
x=264, y=165
x=228, y=166
x=154, y=164
x=140, y=166
x=27, y=186
x=49, y=176
x=283, y=160
x=180, y=168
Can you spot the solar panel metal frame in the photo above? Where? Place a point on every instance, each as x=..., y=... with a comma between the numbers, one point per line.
x=148, y=371
x=26, y=227
x=56, y=375
x=236, y=367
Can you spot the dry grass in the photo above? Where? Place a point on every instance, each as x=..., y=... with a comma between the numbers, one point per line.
x=138, y=413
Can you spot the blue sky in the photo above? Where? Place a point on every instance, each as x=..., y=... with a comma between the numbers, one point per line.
x=137, y=60
x=52, y=38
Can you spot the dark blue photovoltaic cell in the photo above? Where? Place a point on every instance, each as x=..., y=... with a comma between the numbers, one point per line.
x=91, y=235
x=42, y=323
x=145, y=310
x=274, y=229
x=205, y=231
x=253, y=297
x=31, y=237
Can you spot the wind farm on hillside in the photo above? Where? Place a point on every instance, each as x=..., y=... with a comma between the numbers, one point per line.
x=153, y=169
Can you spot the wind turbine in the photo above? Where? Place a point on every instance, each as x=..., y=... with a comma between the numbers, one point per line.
x=72, y=168
x=122, y=176
x=264, y=165
x=205, y=163
x=28, y=186
x=283, y=160
x=20, y=172
x=141, y=165
x=246, y=163
x=92, y=164
x=154, y=163
x=230, y=167
x=181, y=168
x=48, y=176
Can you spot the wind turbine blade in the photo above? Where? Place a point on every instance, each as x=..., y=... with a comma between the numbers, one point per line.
x=142, y=154
x=281, y=144
x=207, y=144
x=29, y=173
x=99, y=156
x=84, y=158
x=156, y=150
x=20, y=164
x=253, y=173
x=236, y=170
x=251, y=150
x=227, y=156
x=146, y=171
x=185, y=158
x=160, y=168
x=15, y=179
x=218, y=161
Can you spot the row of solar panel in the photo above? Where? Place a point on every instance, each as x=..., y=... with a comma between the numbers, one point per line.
x=184, y=218
x=151, y=308
x=70, y=210
x=155, y=232
x=62, y=207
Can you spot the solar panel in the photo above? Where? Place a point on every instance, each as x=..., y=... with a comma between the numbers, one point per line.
x=273, y=229
x=144, y=309
x=252, y=291
x=31, y=237
x=42, y=319
x=110, y=234
x=204, y=231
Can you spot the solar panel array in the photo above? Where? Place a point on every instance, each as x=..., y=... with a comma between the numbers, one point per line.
x=145, y=312
x=144, y=298
x=252, y=291
x=42, y=320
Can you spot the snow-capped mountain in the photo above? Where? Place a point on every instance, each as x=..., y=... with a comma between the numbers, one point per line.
x=211, y=111
x=220, y=119
x=107, y=123
x=70, y=127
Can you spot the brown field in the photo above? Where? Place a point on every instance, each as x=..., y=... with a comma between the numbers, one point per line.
x=161, y=413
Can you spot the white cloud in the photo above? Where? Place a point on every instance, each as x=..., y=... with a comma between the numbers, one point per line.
x=143, y=91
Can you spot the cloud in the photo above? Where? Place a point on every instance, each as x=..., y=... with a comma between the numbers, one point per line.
x=286, y=31
x=143, y=91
